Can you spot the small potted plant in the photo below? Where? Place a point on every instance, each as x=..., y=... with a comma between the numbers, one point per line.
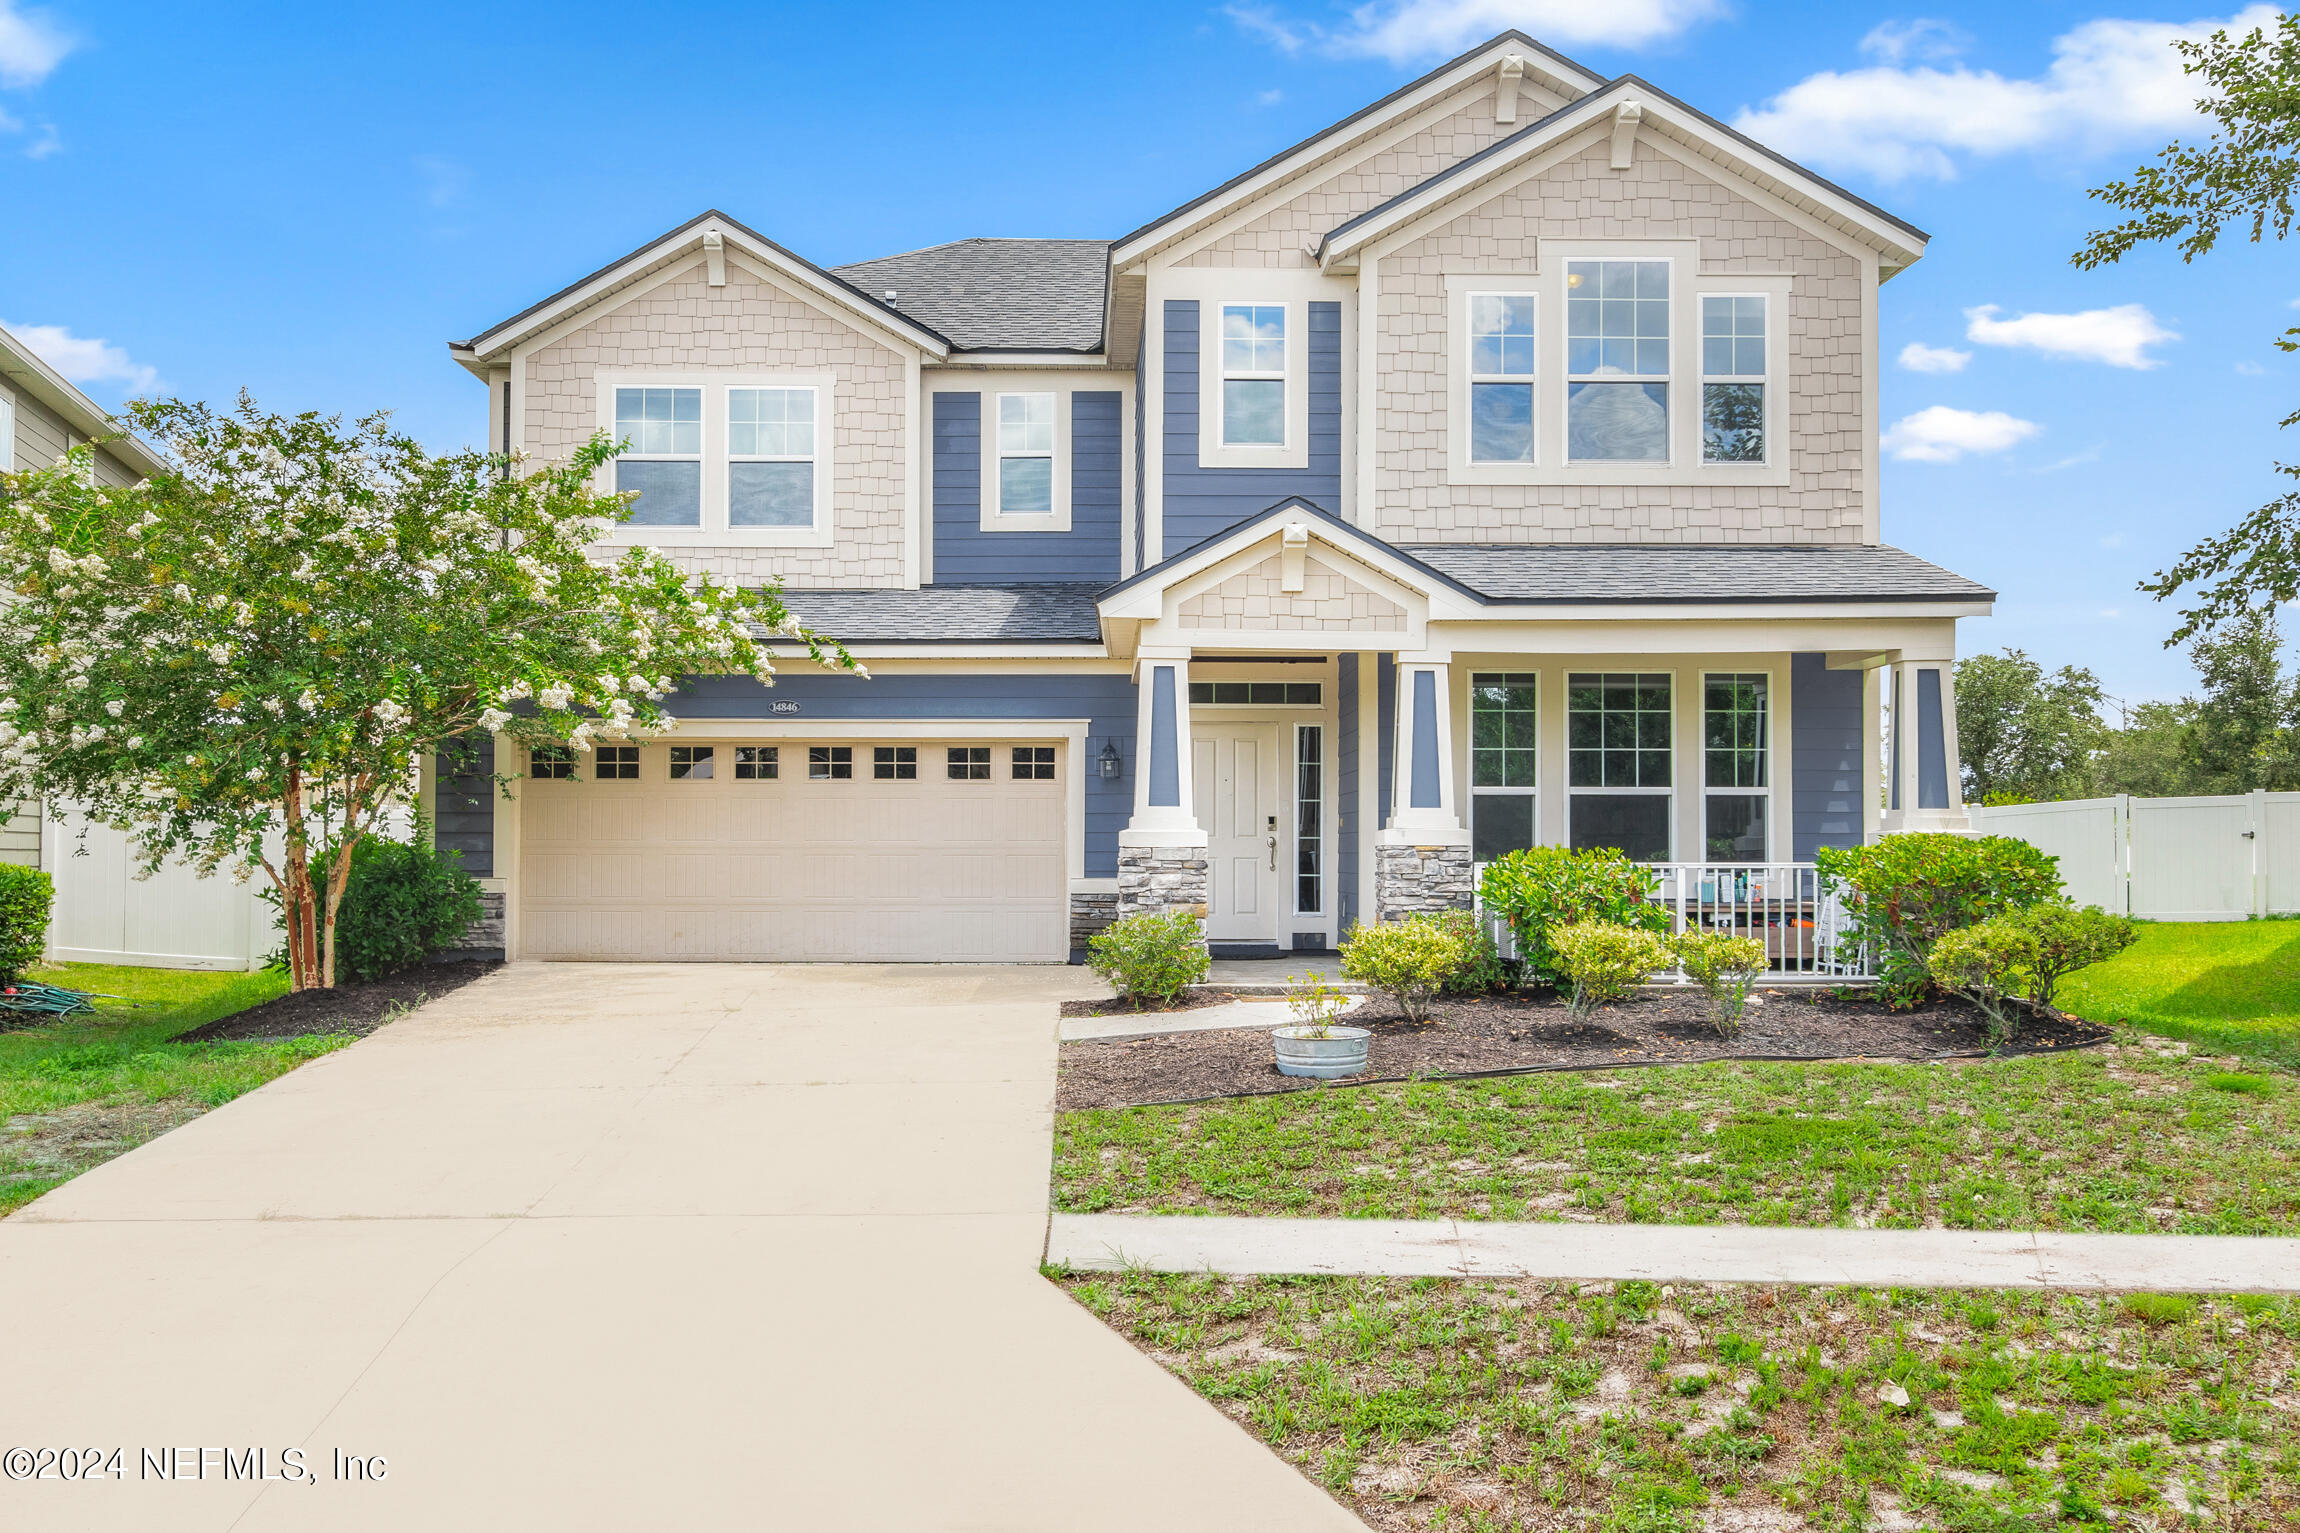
x=1316, y=1046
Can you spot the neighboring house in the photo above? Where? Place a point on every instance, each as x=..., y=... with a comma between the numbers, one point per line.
x=41, y=418
x=1496, y=467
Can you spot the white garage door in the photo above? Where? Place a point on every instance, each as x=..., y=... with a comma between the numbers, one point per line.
x=797, y=851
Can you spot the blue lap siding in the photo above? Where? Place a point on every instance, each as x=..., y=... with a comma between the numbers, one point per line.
x=1826, y=744
x=463, y=804
x=1200, y=502
x=964, y=554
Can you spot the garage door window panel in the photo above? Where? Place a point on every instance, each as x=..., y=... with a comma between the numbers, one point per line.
x=616, y=763
x=969, y=763
x=894, y=763
x=830, y=763
x=1034, y=763
x=757, y=763
x=692, y=763
x=551, y=763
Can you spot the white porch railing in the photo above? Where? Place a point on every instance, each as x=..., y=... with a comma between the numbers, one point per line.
x=1786, y=905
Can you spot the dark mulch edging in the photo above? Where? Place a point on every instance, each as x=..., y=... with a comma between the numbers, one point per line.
x=354, y=1009
x=1514, y=1034
x=1117, y=1006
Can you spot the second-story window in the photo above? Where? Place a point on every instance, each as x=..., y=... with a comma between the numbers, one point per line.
x=1501, y=378
x=1617, y=361
x=1732, y=378
x=1253, y=375
x=663, y=458
x=771, y=436
x=1025, y=454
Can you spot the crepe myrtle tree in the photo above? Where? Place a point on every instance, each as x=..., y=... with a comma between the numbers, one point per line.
x=240, y=661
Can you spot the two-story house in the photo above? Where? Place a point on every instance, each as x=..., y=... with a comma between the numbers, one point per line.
x=42, y=417
x=1497, y=467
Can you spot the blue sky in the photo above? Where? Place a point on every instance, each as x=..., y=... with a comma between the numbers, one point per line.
x=311, y=201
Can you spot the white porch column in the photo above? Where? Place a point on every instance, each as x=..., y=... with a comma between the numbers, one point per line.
x=1421, y=858
x=1162, y=850
x=1926, y=788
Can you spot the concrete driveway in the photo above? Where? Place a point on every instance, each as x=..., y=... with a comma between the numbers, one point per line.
x=617, y=1247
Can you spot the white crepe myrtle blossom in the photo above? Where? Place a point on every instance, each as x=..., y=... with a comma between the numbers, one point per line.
x=298, y=612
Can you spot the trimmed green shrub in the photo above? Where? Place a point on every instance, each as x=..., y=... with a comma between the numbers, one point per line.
x=27, y=897
x=1539, y=888
x=1725, y=967
x=1483, y=969
x=1150, y=957
x=2069, y=939
x=1409, y=960
x=403, y=902
x=1606, y=961
x=1906, y=890
x=1988, y=963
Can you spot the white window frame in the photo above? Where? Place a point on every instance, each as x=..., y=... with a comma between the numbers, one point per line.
x=1676, y=787
x=1328, y=837
x=1545, y=279
x=1294, y=451
x=1774, y=762
x=7, y=431
x=1471, y=378
x=991, y=518
x=1532, y=795
x=1671, y=391
x=1764, y=379
x=815, y=458
x=715, y=532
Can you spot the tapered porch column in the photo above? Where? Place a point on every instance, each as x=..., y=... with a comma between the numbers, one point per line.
x=1927, y=790
x=1162, y=850
x=1421, y=858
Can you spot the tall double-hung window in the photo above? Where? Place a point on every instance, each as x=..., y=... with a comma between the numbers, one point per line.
x=1617, y=738
x=1502, y=757
x=1253, y=342
x=1736, y=738
x=1732, y=378
x=771, y=436
x=1617, y=361
x=1501, y=365
x=1025, y=454
x=662, y=461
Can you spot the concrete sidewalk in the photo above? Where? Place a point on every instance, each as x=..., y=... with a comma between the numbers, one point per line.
x=616, y=1247
x=1677, y=1253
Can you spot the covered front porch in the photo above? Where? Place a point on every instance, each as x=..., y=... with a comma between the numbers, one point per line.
x=1333, y=731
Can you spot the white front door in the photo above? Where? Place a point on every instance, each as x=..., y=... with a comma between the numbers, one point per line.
x=1234, y=769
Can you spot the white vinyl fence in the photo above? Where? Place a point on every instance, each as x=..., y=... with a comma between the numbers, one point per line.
x=173, y=920
x=2168, y=859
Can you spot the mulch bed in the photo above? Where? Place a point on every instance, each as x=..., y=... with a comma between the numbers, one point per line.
x=1513, y=1033
x=1188, y=1000
x=354, y=1009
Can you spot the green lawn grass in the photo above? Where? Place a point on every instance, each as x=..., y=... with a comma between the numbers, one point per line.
x=2231, y=985
x=2140, y=1137
x=1626, y=1408
x=78, y=1090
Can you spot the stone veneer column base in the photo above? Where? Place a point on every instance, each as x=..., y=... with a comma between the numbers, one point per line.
x=1089, y=913
x=1417, y=878
x=1153, y=880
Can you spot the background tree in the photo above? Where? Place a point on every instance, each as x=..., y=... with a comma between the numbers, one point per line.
x=2026, y=736
x=2151, y=754
x=2246, y=733
x=244, y=657
x=2244, y=178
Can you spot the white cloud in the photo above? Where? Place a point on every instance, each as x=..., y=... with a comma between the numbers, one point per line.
x=31, y=46
x=1943, y=434
x=2251, y=369
x=2110, y=82
x=1917, y=357
x=2119, y=337
x=1923, y=38
x=1405, y=30
x=1269, y=97
x=84, y=359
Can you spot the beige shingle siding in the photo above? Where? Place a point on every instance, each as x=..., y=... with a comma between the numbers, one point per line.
x=686, y=325
x=42, y=438
x=20, y=833
x=1353, y=182
x=1328, y=602
x=1583, y=197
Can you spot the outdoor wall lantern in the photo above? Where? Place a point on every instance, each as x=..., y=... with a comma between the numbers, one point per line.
x=1109, y=761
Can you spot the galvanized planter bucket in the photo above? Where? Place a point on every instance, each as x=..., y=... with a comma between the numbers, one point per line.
x=1301, y=1051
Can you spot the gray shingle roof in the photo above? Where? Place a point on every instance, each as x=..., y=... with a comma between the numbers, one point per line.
x=1680, y=572
x=961, y=613
x=998, y=295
